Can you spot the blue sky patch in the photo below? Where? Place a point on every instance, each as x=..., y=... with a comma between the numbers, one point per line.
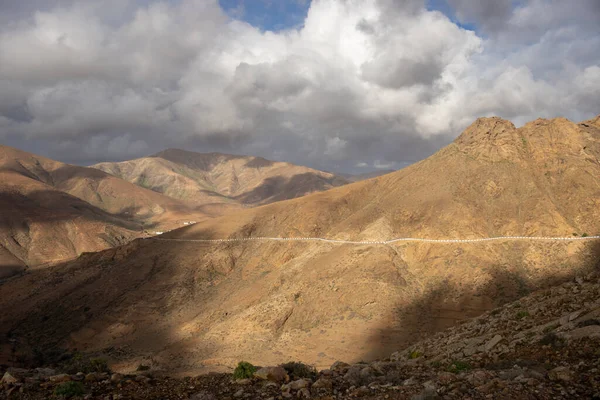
x=444, y=7
x=268, y=15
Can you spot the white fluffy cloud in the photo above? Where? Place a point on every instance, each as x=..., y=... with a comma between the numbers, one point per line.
x=373, y=80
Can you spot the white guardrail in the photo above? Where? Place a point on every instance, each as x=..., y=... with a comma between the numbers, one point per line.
x=384, y=242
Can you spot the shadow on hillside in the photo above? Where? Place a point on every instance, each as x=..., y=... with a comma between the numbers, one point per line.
x=448, y=304
x=128, y=294
x=106, y=292
x=54, y=206
x=259, y=162
x=278, y=188
x=70, y=176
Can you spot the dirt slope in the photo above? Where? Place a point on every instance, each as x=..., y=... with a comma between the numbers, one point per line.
x=188, y=306
x=367, y=175
x=221, y=178
x=544, y=346
x=53, y=211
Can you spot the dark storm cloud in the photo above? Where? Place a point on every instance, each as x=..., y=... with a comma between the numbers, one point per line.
x=490, y=15
x=363, y=84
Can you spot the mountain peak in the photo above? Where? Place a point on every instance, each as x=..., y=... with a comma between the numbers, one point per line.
x=490, y=138
x=484, y=130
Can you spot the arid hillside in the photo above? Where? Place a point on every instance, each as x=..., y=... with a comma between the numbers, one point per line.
x=544, y=346
x=367, y=175
x=53, y=211
x=221, y=178
x=189, y=306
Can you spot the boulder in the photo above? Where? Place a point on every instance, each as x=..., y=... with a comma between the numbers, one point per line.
x=427, y=394
x=10, y=379
x=492, y=342
x=59, y=378
x=560, y=374
x=323, y=383
x=203, y=395
x=91, y=377
x=591, y=331
x=275, y=374
x=339, y=366
x=299, y=384
x=45, y=372
x=446, y=378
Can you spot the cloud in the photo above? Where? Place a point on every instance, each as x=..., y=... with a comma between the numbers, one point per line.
x=491, y=15
x=380, y=81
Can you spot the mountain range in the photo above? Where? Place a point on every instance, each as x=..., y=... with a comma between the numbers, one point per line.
x=54, y=211
x=207, y=178
x=188, y=306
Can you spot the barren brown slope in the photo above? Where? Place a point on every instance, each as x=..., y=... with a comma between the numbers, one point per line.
x=42, y=225
x=367, y=175
x=221, y=178
x=52, y=211
x=197, y=306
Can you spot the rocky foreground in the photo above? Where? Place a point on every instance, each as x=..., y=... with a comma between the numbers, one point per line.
x=544, y=346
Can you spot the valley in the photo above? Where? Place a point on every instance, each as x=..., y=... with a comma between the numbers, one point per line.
x=187, y=307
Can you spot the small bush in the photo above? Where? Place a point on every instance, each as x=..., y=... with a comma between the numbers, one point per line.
x=584, y=235
x=552, y=339
x=522, y=314
x=299, y=370
x=414, y=354
x=98, y=365
x=244, y=370
x=459, y=366
x=143, y=367
x=79, y=363
x=69, y=389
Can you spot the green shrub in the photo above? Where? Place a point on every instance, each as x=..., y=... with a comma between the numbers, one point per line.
x=552, y=339
x=522, y=314
x=414, y=354
x=299, y=370
x=244, y=370
x=584, y=235
x=459, y=366
x=79, y=363
x=69, y=389
x=98, y=365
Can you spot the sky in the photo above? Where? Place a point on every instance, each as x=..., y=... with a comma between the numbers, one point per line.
x=339, y=85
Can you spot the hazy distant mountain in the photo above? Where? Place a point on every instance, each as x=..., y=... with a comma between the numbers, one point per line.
x=205, y=178
x=194, y=305
x=53, y=211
